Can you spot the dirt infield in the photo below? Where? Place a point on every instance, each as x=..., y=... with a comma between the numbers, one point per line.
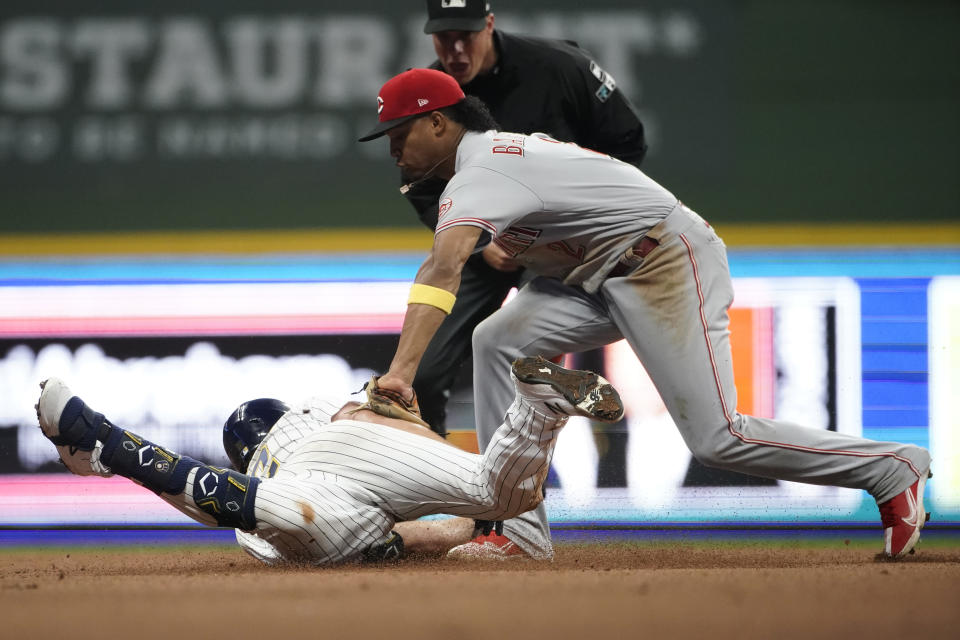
x=622, y=590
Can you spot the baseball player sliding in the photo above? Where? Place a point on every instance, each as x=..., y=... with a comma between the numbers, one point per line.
x=326, y=484
x=618, y=256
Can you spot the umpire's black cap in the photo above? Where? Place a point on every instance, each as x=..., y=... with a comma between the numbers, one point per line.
x=456, y=15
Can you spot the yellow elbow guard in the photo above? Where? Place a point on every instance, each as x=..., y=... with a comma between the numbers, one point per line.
x=433, y=296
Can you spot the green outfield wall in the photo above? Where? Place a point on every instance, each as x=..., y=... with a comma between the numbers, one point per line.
x=243, y=115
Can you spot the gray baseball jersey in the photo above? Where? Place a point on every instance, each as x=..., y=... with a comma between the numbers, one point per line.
x=571, y=214
x=329, y=490
x=561, y=210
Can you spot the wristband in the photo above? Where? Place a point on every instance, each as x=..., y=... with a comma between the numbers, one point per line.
x=433, y=296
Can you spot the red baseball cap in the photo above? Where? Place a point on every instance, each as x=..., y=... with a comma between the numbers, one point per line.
x=410, y=94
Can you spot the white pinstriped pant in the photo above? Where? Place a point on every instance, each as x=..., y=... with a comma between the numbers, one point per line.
x=673, y=312
x=346, y=485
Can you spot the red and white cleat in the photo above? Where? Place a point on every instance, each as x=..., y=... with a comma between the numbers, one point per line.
x=491, y=546
x=903, y=517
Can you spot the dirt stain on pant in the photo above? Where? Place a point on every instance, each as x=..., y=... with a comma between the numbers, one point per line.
x=307, y=512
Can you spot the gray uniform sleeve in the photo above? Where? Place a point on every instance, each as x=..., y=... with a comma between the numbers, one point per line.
x=485, y=198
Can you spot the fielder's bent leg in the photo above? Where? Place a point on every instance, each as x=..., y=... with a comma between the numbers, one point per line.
x=688, y=356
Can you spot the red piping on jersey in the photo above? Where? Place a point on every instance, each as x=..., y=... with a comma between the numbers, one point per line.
x=478, y=222
x=723, y=403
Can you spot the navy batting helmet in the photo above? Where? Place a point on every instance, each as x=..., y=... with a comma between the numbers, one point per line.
x=246, y=428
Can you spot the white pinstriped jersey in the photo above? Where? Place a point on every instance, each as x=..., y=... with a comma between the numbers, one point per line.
x=331, y=490
x=561, y=210
x=283, y=439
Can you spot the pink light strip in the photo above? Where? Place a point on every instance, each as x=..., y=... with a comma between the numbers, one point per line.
x=200, y=325
x=62, y=498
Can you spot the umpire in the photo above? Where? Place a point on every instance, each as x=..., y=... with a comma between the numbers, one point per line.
x=529, y=84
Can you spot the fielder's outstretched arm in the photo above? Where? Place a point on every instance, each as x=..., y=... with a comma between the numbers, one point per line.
x=431, y=299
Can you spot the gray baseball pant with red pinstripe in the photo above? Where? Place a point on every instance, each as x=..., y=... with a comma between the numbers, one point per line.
x=673, y=312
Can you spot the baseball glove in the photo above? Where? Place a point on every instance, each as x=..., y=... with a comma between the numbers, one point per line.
x=389, y=403
x=389, y=550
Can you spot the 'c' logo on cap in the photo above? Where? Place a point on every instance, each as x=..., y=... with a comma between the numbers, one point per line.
x=379, y=105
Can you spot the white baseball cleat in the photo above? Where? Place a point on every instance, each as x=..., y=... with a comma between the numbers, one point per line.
x=82, y=461
x=903, y=517
x=567, y=391
x=53, y=399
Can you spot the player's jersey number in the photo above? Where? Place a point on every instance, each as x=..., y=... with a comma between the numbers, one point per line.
x=264, y=465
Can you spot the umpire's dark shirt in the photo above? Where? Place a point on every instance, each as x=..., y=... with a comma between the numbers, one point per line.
x=550, y=86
